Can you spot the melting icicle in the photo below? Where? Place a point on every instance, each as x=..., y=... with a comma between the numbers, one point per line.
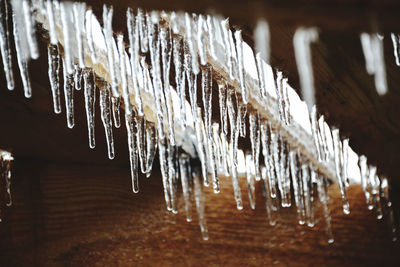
x=241, y=70
x=268, y=158
x=191, y=43
x=372, y=47
x=242, y=110
x=151, y=146
x=79, y=23
x=5, y=46
x=89, y=35
x=30, y=29
x=338, y=150
x=206, y=82
x=141, y=142
x=77, y=77
x=67, y=21
x=116, y=103
x=396, y=47
x=254, y=122
x=284, y=168
x=375, y=190
x=250, y=180
x=346, y=162
x=200, y=202
x=301, y=41
x=105, y=110
x=110, y=44
x=296, y=181
x=262, y=39
x=69, y=95
x=90, y=101
x=213, y=157
x=172, y=184
x=162, y=153
x=323, y=197
x=222, y=107
x=261, y=76
x=130, y=123
x=268, y=200
x=144, y=42
x=179, y=77
x=54, y=69
x=192, y=85
x=364, y=172
x=166, y=47
x=185, y=173
x=306, y=181
x=52, y=22
x=21, y=47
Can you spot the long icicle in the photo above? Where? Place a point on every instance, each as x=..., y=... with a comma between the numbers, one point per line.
x=5, y=46
x=54, y=69
x=90, y=101
x=69, y=95
x=105, y=110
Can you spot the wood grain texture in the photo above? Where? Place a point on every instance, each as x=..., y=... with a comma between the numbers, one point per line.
x=85, y=215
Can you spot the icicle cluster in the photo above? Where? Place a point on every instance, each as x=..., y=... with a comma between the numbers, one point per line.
x=194, y=149
x=5, y=175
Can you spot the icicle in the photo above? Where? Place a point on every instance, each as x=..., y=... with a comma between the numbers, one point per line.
x=275, y=157
x=250, y=180
x=110, y=44
x=30, y=29
x=213, y=157
x=254, y=122
x=192, y=85
x=185, y=173
x=162, y=153
x=285, y=101
x=171, y=160
x=200, y=202
x=151, y=146
x=268, y=200
x=124, y=83
x=89, y=36
x=315, y=134
x=52, y=21
x=116, y=103
x=302, y=40
x=201, y=39
x=222, y=107
x=90, y=100
x=79, y=23
x=306, y=181
x=69, y=42
x=364, y=173
x=191, y=44
x=131, y=124
x=372, y=47
x=396, y=47
x=339, y=169
x=296, y=186
x=5, y=46
x=323, y=197
x=375, y=191
x=69, y=95
x=285, y=178
x=133, y=33
x=105, y=110
x=346, y=161
x=201, y=151
x=54, y=69
x=21, y=47
x=166, y=51
x=268, y=158
x=206, y=86
x=278, y=90
x=262, y=39
x=261, y=76
x=241, y=71
x=234, y=173
x=179, y=77
x=310, y=198
x=141, y=142
x=224, y=154
x=77, y=77
x=242, y=110
x=144, y=42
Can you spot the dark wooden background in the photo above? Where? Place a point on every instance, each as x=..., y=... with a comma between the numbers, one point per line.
x=73, y=207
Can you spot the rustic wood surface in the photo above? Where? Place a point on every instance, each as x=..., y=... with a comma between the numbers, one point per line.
x=73, y=207
x=85, y=215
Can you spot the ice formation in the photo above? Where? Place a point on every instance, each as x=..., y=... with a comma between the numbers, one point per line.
x=291, y=150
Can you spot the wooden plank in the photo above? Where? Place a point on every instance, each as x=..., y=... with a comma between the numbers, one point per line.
x=73, y=214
